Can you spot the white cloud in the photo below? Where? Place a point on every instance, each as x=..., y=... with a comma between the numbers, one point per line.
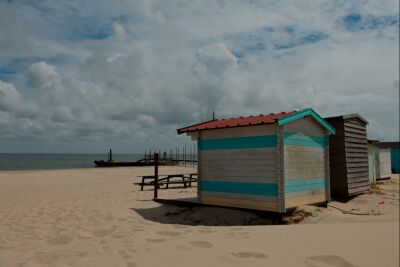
x=137, y=70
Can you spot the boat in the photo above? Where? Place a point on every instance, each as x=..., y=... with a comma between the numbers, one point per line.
x=142, y=162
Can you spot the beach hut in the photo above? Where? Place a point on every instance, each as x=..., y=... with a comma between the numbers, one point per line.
x=394, y=154
x=348, y=155
x=269, y=162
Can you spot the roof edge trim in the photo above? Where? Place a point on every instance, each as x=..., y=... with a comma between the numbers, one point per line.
x=180, y=130
x=302, y=114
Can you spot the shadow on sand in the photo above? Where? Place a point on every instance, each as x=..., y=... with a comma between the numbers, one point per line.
x=195, y=214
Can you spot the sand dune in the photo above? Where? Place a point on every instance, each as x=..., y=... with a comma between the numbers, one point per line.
x=96, y=217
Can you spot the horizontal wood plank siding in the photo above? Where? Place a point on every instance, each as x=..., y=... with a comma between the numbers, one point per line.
x=243, y=142
x=306, y=126
x=267, y=198
x=348, y=157
x=254, y=130
x=357, y=174
x=304, y=200
x=355, y=125
x=239, y=167
x=304, y=193
x=241, y=203
x=304, y=185
x=355, y=130
x=245, y=188
x=355, y=135
x=304, y=163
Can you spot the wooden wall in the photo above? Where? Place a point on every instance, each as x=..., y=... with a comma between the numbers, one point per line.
x=238, y=167
x=385, y=163
x=266, y=167
x=373, y=163
x=306, y=174
x=348, y=152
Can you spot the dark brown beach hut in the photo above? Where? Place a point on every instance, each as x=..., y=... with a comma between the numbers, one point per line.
x=348, y=155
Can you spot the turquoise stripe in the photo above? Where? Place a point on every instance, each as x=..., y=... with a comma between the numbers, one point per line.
x=307, y=112
x=239, y=188
x=304, y=184
x=238, y=142
x=296, y=139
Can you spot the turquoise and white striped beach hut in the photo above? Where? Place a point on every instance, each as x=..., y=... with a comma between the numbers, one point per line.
x=269, y=162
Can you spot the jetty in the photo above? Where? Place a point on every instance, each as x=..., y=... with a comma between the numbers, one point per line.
x=148, y=160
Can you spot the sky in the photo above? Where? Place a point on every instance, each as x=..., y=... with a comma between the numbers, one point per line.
x=85, y=76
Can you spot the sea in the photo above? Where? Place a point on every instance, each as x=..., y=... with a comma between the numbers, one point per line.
x=17, y=162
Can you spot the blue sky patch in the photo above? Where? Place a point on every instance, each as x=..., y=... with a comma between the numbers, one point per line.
x=358, y=22
x=309, y=38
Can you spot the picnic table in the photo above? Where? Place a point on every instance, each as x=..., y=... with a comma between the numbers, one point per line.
x=182, y=178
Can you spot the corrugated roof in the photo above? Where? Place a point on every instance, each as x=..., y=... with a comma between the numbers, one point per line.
x=235, y=122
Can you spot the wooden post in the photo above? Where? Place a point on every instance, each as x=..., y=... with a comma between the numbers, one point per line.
x=155, y=176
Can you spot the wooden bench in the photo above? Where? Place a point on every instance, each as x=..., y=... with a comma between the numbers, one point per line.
x=185, y=179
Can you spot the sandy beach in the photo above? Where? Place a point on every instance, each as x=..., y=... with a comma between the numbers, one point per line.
x=97, y=217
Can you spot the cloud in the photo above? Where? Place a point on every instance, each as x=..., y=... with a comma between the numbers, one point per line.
x=127, y=74
x=215, y=59
x=11, y=101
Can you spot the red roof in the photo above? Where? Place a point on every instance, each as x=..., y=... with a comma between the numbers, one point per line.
x=235, y=122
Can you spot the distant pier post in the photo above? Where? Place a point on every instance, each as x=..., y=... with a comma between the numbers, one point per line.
x=155, y=176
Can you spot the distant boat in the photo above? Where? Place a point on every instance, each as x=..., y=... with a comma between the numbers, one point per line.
x=142, y=162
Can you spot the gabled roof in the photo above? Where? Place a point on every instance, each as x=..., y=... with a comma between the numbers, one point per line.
x=389, y=144
x=279, y=118
x=234, y=122
x=348, y=116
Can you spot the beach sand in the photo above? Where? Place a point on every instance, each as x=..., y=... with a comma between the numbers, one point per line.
x=97, y=217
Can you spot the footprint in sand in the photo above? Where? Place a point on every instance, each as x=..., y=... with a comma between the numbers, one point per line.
x=180, y=226
x=328, y=260
x=127, y=257
x=205, y=231
x=103, y=232
x=249, y=255
x=201, y=244
x=60, y=240
x=84, y=234
x=45, y=258
x=155, y=240
x=106, y=248
x=137, y=229
x=168, y=233
x=121, y=252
